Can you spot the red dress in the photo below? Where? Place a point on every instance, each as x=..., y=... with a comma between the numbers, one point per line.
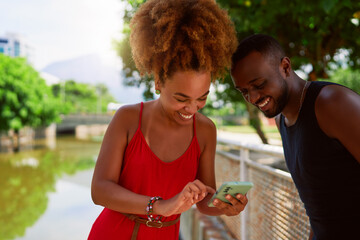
x=144, y=173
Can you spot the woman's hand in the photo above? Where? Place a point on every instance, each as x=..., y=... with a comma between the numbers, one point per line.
x=192, y=193
x=237, y=204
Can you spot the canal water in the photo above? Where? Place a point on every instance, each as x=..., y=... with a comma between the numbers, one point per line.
x=45, y=191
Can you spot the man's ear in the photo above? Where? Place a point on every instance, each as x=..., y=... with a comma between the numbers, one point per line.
x=285, y=66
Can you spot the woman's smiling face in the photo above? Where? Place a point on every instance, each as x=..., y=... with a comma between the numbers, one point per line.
x=183, y=94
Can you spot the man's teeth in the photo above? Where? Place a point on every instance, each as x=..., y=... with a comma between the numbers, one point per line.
x=185, y=116
x=264, y=103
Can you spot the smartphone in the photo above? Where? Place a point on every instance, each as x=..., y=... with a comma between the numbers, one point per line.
x=231, y=188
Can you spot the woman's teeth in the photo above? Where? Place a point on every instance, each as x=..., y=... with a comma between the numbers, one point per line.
x=186, y=116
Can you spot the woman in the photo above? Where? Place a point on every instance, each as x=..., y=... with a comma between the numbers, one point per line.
x=157, y=157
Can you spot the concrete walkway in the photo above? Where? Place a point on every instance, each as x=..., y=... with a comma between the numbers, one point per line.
x=246, y=137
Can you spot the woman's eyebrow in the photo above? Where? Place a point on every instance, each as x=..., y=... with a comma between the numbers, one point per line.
x=186, y=96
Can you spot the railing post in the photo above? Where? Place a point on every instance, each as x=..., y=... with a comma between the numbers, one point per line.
x=286, y=218
x=244, y=155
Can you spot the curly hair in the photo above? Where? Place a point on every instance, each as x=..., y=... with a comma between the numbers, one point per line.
x=181, y=35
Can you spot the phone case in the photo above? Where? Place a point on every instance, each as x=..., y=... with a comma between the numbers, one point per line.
x=231, y=188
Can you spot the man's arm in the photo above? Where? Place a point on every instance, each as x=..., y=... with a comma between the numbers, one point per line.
x=337, y=110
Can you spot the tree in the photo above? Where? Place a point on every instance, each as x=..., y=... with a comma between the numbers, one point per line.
x=132, y=77
x=103, y=97
x=81, y=97
x=347, y=77
x=311, y=32
x=25, y=99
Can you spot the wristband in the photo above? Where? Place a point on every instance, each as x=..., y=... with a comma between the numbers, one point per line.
x=149, y=209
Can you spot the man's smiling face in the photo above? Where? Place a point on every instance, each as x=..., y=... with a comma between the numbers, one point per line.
x=261, y=83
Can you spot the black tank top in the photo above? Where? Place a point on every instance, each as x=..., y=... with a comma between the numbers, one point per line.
x=326, y=175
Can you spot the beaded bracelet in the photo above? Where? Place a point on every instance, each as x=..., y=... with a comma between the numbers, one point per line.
x=149, y=209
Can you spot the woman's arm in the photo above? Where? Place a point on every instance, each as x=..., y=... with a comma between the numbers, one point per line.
x=105, y=189
x=206, y=173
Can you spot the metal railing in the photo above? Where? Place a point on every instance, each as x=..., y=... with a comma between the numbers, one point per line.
x=275, y=210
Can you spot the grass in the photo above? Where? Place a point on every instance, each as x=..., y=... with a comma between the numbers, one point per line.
x=248, y=129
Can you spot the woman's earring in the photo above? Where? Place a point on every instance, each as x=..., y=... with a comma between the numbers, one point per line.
x=157, y=91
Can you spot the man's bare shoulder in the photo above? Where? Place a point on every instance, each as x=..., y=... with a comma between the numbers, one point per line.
x=336, y=97
x=336, y=107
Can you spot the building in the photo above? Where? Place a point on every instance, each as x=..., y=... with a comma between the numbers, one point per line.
x=14, y=45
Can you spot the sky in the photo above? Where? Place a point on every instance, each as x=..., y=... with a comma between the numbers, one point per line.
x=64, y=29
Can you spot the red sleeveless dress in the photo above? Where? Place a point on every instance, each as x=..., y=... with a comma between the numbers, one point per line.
x=144, y=173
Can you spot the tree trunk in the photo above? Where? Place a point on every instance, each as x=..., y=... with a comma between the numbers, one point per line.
x=255, y=121
x=315, y=75
x=16, y=141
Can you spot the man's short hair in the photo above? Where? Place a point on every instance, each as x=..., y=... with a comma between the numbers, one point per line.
x=264, y=44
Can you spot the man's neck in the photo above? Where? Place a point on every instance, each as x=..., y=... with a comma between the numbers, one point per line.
x=296, y=97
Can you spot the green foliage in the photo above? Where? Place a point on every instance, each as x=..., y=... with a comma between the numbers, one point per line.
x=223, y=113
x=215, y=109
x=310, y=31
x=81, y=97
x=131, y=75
x=347, y=77
x=104, y=97
x=227, y=98
x=25, y=99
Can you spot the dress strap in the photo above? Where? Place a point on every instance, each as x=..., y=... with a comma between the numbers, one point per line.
x=194, y=125
x=141, y=110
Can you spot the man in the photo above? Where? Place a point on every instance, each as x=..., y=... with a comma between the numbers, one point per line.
x=319, y=124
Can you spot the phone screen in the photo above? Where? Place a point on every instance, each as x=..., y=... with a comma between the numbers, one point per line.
x=231, y=188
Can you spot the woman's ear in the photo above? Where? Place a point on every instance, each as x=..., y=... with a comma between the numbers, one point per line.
x=157, y=85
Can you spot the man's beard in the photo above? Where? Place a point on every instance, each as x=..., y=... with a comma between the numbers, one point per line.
x=280, y=102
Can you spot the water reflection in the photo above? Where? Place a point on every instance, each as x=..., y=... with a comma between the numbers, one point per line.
x=28, y=178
